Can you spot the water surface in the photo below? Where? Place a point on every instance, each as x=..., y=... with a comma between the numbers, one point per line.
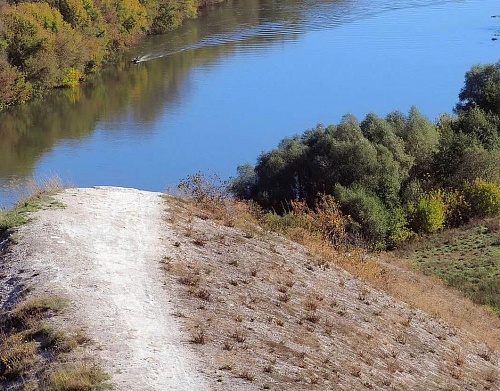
x=223, y=88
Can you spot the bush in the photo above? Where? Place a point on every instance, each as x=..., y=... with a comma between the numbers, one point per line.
x=458, y=210
x=398, y=231
x=370, y=218
x=209, y=191
x=325, y=218
x=282, y=223
x=428, y=214
x=13, y=87
x=72, y=78
x=483, y=197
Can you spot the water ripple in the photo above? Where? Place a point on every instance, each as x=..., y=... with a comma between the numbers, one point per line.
x=292, y=18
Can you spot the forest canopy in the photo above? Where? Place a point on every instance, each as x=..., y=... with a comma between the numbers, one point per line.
x=48, y=44
x=395, y=176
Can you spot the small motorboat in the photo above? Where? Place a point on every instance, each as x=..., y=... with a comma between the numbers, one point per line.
x=136, y=60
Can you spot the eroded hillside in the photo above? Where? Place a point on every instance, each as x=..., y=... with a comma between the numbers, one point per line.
x=264, y=313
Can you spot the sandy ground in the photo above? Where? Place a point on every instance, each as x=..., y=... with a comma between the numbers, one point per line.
x=103, y=251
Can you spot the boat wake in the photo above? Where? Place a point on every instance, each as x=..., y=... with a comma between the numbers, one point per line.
x=244, y=35
x=291, y=21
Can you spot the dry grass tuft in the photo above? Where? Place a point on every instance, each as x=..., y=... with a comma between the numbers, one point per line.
x=238, y=336
x=75, y=377
x=34, y=355
x=203, y=294
x=190, y=279
x=199, y=336
x=247, y=376
x=47, y=187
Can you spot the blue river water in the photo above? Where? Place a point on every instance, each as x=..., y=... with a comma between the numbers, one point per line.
x=225, y=87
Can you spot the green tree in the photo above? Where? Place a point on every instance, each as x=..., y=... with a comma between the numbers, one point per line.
x=279, y=174
x=243, y=185
x=481, y=89
x=420, y=138
x=476, y=162
x=453, y=144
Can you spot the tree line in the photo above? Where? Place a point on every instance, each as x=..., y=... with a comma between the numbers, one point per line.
x=57, y=43
x=393, y=177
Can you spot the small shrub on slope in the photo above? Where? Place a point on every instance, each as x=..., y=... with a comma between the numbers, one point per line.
x=484, y=198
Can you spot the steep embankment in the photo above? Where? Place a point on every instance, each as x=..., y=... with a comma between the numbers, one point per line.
x=267, y=314
x=174, y=300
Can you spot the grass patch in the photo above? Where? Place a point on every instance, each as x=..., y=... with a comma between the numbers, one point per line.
x=76, y=377
x=466, y=258
x=39, y=197
x=17, y=216
x=34, y=353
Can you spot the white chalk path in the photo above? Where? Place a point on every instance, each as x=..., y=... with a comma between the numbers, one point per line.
x=103, y=250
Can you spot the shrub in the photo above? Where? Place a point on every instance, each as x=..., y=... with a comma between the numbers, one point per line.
x=483, y=197
x=72, y=78
x=428, y=214
x=325, y=218
x=458, y=211
x=13, y=87
x=398, y=231
x=370, y=218
x=206, y=191
x=279, y=223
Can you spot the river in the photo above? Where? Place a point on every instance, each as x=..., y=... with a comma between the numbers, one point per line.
x=223, y=88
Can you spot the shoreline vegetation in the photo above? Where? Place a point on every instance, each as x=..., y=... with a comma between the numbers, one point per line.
x=58, y=44
x=388, y=183
x=393, y=179
x=39, y=196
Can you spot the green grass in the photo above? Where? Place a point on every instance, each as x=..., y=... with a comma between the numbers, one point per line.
x=467, y=258
x=40, y=198
x=18, y=216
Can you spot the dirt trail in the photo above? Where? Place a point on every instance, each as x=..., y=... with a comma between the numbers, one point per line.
x=103, y=251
